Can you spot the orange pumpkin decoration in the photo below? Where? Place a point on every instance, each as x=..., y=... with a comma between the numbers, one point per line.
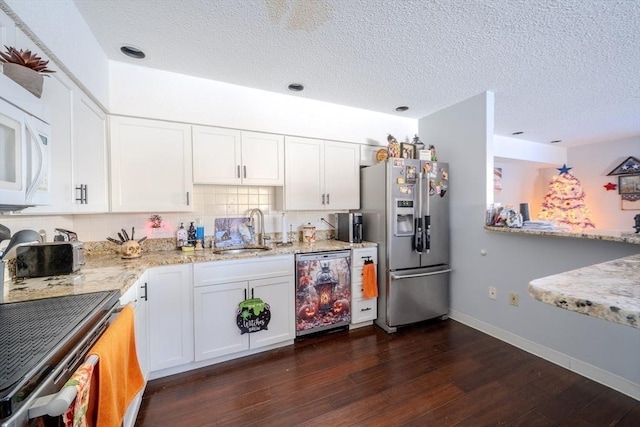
x=307, y=311
x=341, y=306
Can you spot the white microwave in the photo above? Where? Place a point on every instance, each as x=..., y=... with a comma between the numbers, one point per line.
x=25, y=147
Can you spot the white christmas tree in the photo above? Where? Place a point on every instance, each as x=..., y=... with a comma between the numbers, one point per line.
x=564, y=202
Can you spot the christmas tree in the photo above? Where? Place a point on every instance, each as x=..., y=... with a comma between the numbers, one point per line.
x=564, y=202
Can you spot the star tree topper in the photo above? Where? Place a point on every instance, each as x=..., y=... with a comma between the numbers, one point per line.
x=564, y=169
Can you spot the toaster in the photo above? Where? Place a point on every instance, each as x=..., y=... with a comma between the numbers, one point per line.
x=49, y=259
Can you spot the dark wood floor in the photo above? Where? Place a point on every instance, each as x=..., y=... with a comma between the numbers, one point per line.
x=431, y=374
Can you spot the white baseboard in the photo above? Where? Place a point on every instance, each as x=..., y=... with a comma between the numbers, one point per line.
x=585, y=369
x=203, y=363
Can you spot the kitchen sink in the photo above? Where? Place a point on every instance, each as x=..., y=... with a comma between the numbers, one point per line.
x=235, y=251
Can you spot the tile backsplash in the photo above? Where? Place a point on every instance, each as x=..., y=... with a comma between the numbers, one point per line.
x=210, y=202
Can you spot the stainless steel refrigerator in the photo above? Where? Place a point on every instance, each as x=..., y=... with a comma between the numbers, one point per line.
x=405, y=209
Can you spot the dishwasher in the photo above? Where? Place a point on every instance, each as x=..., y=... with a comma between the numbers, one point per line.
x=323, y=291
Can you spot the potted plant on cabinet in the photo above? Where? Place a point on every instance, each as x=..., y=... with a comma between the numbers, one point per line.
x=25, y=68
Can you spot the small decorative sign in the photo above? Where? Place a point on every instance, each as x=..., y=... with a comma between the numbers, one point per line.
x=253, y=315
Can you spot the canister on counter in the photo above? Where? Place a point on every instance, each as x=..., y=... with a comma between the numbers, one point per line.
x=308, y=233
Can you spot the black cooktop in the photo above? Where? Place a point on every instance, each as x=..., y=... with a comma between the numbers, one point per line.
x=37, y=334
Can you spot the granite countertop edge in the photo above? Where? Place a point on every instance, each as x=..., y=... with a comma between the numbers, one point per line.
x=608, y=290
x=105, y=272
x=607, y=235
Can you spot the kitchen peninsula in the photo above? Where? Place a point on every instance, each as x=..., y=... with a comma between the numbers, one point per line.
x=608, y=290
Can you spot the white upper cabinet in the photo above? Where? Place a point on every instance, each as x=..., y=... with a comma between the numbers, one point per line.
x=262, y=159
x=150, y=166
x=233, y=157
x=90, y=164
x=321, y=175
x=78, y=150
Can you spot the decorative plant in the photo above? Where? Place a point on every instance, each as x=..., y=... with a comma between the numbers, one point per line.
x=25, y=58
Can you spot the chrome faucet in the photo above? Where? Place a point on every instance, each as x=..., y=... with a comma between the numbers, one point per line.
x=261, y=221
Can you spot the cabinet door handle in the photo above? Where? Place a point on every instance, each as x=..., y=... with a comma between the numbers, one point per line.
x=365, y=309
x=83, y=194
x=323, y=198
x=252, y=293
x=86, y=194
x=245, y=294
x=327, y=198
x=144, y=297
x=245, y=171
x=238, y=171
x=187, y=198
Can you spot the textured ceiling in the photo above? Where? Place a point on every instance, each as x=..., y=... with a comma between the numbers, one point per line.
x=567, y=70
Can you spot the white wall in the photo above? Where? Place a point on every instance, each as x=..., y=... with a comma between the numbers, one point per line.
x=145, y=92
x=528, y=168
x=530, y=151
x=518, y=180
x=602, y=350
x=591, y=164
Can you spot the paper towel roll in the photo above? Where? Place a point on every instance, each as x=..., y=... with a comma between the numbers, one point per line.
x=284, y=228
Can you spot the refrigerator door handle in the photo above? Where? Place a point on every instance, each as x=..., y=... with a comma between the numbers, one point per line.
x=427, y=232
x=409, y=276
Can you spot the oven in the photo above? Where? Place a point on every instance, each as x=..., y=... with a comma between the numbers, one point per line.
x=42, y=343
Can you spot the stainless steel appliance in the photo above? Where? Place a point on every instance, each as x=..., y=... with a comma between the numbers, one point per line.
x=323, y=291
x=49, y=259
x=42, y=343
x=349, y=228
x=404, y=203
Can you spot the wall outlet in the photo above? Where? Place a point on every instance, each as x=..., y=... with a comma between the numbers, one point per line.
x=493, y=292
x=514, y=299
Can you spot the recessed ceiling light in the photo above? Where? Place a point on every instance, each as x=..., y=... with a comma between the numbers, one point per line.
x=517, y=133
x=555, y=141
x=402, y=108
x=132, y=52
x=296, y=87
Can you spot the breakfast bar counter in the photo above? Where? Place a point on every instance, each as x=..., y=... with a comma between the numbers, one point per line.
x=589, y=234
x=609, y=290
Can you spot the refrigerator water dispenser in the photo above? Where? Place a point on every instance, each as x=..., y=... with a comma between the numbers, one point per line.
x=404, y=215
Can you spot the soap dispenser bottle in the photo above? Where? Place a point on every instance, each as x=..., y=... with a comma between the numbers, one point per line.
x=182, y=236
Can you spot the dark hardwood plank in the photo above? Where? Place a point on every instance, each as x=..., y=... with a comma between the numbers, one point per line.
x=435, y=373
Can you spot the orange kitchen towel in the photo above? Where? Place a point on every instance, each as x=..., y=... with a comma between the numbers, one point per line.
x=369, y=282
x=118, y=378
x=81, y=380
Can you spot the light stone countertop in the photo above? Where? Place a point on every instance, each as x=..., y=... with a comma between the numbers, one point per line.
x=103, y=272
x=592, y=234
x=609, y=290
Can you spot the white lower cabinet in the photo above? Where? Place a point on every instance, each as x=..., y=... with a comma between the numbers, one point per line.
x=170, y=316
x=218, y=289
x=363, y=311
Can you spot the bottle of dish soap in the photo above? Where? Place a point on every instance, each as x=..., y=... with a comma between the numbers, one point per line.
x=182, y=236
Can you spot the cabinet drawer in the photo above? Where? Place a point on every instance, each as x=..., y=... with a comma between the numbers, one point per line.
x=356, y=281
x=218, y=272
x=364, y=310
x=359, y=256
